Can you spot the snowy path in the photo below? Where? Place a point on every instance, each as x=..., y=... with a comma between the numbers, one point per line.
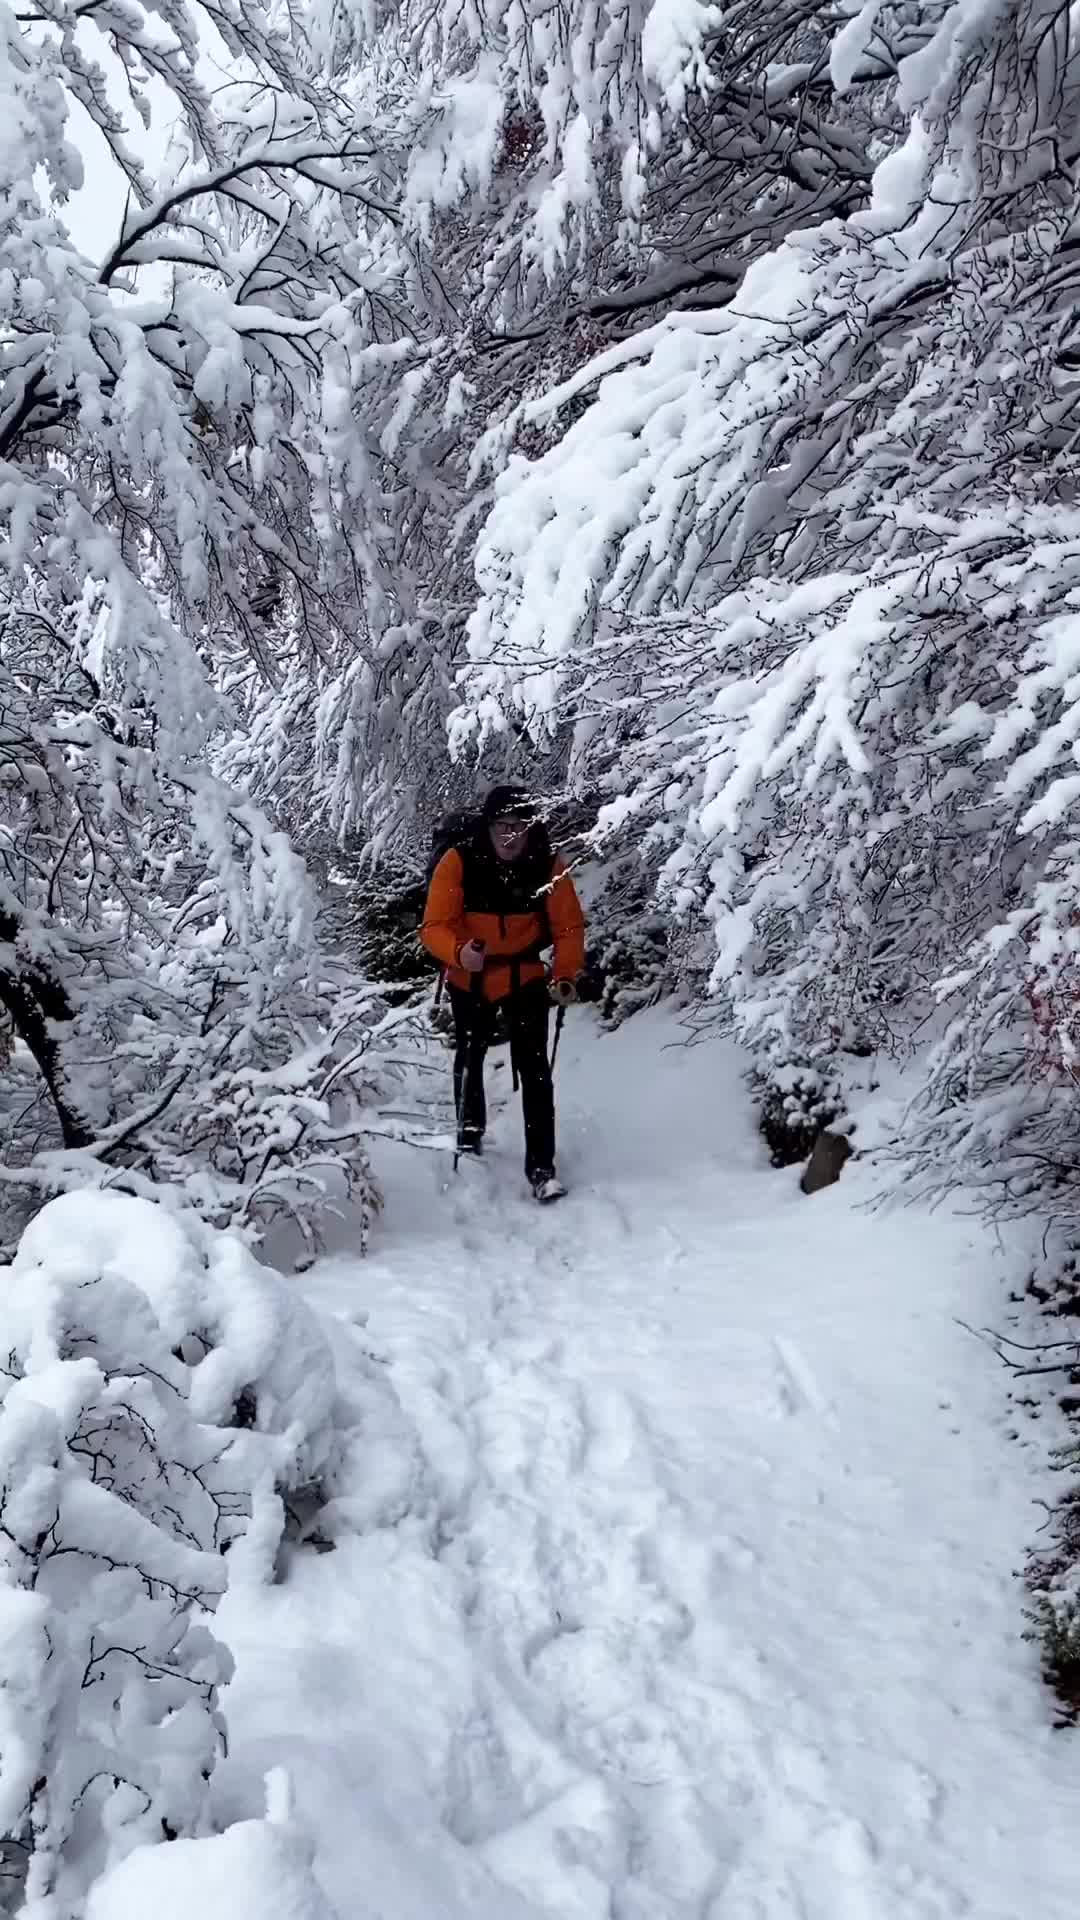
x=693, y=1597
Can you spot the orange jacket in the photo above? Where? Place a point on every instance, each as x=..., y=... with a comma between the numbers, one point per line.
x=447, y=927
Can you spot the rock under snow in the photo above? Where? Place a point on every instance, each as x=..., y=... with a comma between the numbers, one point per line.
x=831, y=1153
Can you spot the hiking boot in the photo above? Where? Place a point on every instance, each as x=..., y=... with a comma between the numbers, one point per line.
x=471, y=1143
x=547, y=1188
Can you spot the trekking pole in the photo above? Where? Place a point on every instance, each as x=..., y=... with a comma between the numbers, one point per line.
x=457, y=1118
x=559, y=1018
x=466, y=1075
x=463, y=1104
x=462, y=1107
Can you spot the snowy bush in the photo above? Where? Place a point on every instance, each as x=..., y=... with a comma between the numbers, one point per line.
x=629, y=939
x=255, y=1870
x=796, y=1101
x=158, y=1393
x=372, y=913
x=1053, y=1581
x=254, y=1357
x=1055, y=1619
x=112, y=1505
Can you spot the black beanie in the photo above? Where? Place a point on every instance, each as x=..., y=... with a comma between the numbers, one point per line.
x=508, y=803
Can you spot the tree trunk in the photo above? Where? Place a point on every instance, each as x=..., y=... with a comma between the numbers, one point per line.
x=34, y=1000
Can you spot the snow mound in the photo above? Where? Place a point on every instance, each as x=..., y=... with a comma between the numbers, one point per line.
x=251, y=1353
x=257, y=1870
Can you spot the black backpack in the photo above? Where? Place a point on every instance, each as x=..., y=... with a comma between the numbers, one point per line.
x=456, y=829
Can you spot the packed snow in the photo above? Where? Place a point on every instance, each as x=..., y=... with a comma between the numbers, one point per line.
x=675, y=1546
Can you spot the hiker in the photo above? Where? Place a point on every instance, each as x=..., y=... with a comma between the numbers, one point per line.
x=495, y=902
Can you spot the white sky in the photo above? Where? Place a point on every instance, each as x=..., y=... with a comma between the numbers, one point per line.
x=93, y=215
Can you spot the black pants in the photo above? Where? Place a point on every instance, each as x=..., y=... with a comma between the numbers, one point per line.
x=526, y=1013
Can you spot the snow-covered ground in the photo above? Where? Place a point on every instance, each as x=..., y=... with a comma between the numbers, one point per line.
x=676, y=1576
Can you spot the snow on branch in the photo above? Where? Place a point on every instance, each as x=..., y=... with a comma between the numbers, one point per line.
x=801, y=578
x=158, y=964
x=177, y=439
x=571, y=173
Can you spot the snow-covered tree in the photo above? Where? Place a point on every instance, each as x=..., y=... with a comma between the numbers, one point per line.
x=161, y=970
x=665, y=142
x=571, y=171
x=801, y=576
x=183, y=441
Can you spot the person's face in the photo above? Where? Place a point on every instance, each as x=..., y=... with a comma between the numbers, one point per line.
x=508, y=837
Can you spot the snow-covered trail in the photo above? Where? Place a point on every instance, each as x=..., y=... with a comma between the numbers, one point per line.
x=678, y=1580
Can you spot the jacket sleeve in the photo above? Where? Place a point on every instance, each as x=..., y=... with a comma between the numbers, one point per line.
x=567, y=924
x=443, y=931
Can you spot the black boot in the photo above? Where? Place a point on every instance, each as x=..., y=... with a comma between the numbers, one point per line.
x=546, y=1188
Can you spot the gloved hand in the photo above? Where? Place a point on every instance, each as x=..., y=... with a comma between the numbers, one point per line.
x=471, y=956
x=563, y=992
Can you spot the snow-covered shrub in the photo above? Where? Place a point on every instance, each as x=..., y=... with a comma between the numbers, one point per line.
x=254, y=1358
x=159, y=1392
x=1055, y=1625
x=112, y=1502
x=629, y=939
x=632, y=963
x=255, y=1870
x=1053, y=1571
x=796, y=1101
x=371, y=913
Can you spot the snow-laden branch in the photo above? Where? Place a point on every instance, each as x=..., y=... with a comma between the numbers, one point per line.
x=273, y=158
x=179, y=440
x=571, y=172
x=799, y=575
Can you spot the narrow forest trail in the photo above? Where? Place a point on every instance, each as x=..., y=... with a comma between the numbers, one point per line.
x=675, y=1573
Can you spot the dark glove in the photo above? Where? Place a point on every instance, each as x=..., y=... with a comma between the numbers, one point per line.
x=563, y=992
